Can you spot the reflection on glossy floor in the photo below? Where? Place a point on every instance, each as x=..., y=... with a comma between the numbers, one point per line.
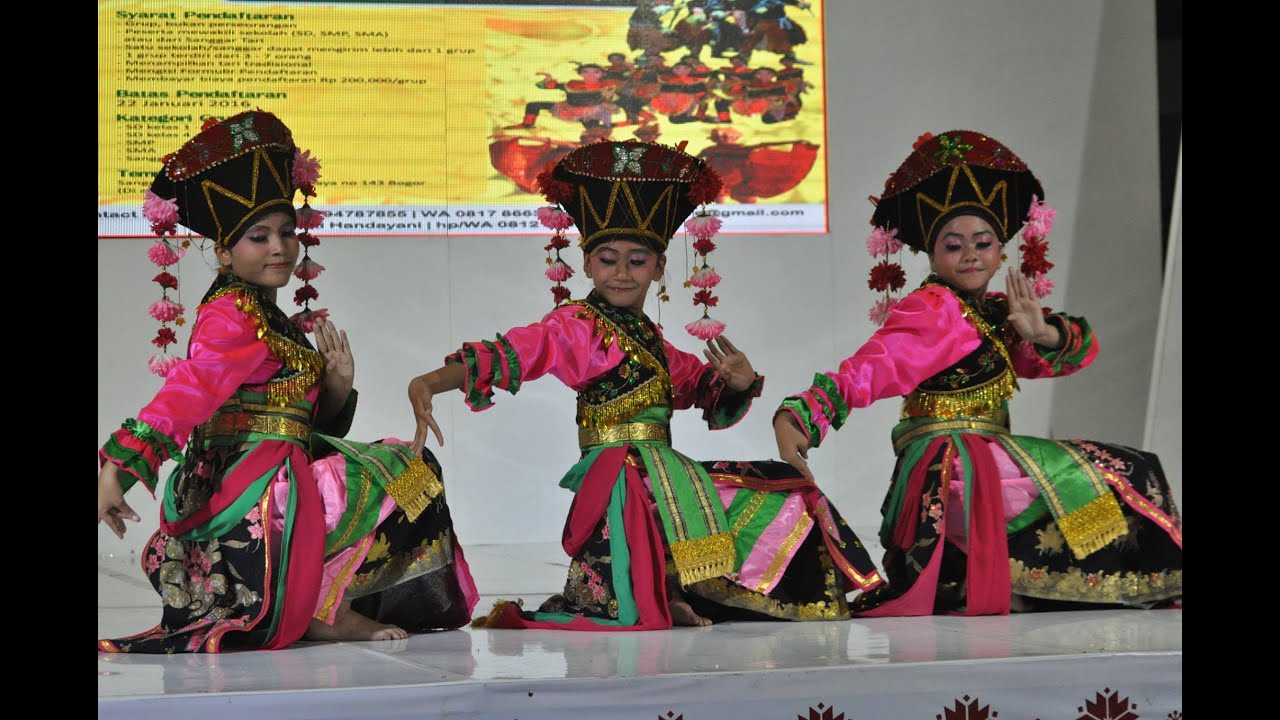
x=1043, y=665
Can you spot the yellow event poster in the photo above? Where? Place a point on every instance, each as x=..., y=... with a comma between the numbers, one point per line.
x=434, y=118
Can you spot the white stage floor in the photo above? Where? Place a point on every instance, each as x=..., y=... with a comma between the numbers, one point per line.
x=1098, y=665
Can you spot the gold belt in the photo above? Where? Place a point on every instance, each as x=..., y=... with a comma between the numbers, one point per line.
x=975, y=425
x=232, y=424
x=624, y=432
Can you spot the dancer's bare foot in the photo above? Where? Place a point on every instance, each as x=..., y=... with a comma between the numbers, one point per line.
x=682, y=614
x=351, y=625
x=681, y=611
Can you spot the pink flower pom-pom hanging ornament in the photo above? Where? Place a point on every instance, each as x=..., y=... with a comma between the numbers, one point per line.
x=704, y=226
x=164, y=253
x=885, y=276
x=161, y=364
x=307, y=319
x=1035, y=248
x=705, y=328
x=306, y=173
x=556, y=220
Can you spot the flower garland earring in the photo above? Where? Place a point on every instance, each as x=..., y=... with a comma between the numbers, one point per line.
x=552, y=217
x=306, y=172
x=1034, y=247
x=163, y=215
x=887, y=277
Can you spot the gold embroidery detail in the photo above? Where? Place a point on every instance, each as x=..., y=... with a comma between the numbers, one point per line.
x=1152, y=512
x=308, y=363
x=753, y=506
x=491, y=619
x=654, y=391
x=657, y=390
x=664, y=202
x=668, y=493
x=835, y=607
x=984, y=200
x=1073, y=584
x=985, y=400
x=706, y=504
x=980, y=426
x=625, y=432
x=1092, y=526
x=415, y=488
x=234, y=424
x=703, y=558
x=209, y=188
x=214, y=643
x=1051, y=540
x=427, y=557
x=381, y=548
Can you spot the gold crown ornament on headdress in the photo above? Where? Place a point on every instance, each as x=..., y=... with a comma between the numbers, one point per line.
x=233, y=172
x=959, y=172
x=638, y=191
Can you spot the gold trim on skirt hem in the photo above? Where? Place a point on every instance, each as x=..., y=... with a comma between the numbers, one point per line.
x=1129, y=588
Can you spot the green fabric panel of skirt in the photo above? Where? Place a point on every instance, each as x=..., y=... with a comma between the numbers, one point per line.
x=229, y=517
x=384, y=463
x=750, y=513
x=687, y=500
x=360, y=516
x=621, y=552
x=1063, y=483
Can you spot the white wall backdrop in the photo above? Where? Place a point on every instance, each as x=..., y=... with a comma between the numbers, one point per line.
x=1164, y=407
x=1071, y=87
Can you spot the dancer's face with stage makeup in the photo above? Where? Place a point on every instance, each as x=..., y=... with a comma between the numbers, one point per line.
x=265, y=254
x=623, y=270
x=966, y=254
